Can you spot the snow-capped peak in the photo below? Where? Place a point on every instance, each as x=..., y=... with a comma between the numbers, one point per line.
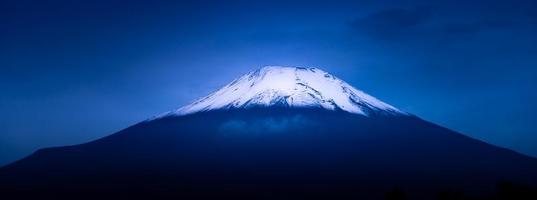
x=298, y=87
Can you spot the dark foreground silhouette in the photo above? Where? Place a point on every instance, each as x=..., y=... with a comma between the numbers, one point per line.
x=505, y=191
x=275, y=154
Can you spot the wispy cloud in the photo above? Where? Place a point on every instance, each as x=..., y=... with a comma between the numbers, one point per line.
x=434, y=21
x=392, y=22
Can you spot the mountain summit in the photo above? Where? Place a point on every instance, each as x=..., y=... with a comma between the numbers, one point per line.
x=297, y=87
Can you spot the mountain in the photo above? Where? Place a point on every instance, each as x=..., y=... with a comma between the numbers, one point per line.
x=275, y=133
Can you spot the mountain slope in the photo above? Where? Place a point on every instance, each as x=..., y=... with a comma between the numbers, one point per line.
x=268, y=153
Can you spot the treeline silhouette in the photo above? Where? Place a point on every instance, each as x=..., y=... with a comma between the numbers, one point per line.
x=505, y=190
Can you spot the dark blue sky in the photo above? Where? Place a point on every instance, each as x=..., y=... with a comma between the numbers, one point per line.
x=73, y=71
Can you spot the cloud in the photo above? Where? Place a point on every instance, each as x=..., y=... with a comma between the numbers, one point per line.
x=263, y=125
x=468, y=26
x=439, y=21
x=393, y=22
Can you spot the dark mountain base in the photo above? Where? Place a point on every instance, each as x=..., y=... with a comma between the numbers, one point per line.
x=104, y=190
x=274, y=154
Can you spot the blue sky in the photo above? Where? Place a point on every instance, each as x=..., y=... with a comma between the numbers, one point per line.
x=73, y=71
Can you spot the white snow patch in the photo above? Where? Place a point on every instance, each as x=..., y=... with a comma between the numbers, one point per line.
x=292, y=87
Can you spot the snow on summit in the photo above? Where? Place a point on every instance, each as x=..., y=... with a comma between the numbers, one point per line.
x=289, y=87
